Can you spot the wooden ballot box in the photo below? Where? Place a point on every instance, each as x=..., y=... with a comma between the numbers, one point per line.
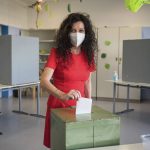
x=70, y=131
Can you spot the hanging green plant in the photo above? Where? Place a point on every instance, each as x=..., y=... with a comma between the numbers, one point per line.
x=103, y=55
x=46, y=7
x=38, y=6
x=69, y=8
x=107, y=66
x=135, y=5
x=80, y=0
x=39, y=23
x=107, y=43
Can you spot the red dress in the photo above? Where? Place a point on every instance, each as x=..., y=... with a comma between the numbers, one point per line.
x=67, y=76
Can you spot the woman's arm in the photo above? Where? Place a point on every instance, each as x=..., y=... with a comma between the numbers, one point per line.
x=45, y=83
x=87, y=87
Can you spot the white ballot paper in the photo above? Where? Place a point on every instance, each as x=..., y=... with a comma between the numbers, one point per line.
x=84, y=106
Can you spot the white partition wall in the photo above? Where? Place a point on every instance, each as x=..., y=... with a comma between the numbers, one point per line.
x=19, y=60
x=128, y=33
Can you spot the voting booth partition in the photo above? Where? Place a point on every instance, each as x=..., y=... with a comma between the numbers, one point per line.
x=135, y=66
x=19, y=60
x=136, y=60
x=70, y=131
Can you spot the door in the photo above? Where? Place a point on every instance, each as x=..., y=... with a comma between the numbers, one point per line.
x=110, y=43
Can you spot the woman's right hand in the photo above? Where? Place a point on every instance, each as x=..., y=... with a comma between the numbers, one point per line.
x=72, y=94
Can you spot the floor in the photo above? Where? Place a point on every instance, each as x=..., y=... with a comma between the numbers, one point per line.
x=25, y=132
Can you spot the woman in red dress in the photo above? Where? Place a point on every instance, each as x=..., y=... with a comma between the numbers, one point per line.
x=70, y=65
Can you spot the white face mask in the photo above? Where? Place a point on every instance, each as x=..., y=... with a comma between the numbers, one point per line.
x=77, y=38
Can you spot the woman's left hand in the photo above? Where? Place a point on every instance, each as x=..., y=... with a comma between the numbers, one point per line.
x=72, y=94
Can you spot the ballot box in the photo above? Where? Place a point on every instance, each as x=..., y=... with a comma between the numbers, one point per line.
x=70, y=131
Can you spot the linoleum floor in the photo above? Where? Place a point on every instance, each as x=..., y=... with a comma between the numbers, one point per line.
x=25, y=132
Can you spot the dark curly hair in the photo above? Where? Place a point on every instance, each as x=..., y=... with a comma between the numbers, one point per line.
x=63, y=42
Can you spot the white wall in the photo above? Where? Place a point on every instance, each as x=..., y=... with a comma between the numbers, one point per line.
x=102, y=12
x=13, y=14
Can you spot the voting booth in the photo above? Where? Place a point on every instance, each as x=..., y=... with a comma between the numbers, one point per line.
x=70, y=131
x=136, y=60
x=19, y=60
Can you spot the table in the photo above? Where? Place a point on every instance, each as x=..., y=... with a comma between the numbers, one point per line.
x=128, y=85
x=1, y=132
x=19, y=87
x=137, y=146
